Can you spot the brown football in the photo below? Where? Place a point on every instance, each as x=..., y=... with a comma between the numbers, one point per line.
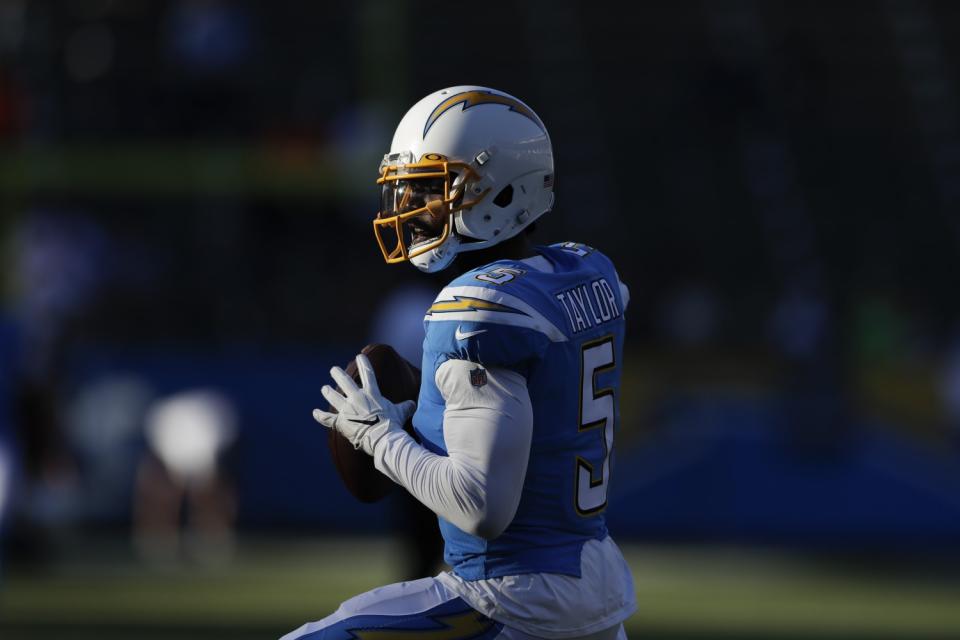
x=398, y=381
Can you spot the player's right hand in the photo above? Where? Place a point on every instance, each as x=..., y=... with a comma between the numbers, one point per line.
x=363, y=414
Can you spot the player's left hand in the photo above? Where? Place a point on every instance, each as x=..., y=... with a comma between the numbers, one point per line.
x=363, y=414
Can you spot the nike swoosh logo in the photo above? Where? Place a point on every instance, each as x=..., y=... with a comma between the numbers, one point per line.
x=369, y=423
x=460, y=335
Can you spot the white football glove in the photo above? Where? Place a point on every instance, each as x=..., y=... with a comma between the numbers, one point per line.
x=363, y=415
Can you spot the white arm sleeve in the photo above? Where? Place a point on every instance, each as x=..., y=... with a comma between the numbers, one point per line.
x=487, y=431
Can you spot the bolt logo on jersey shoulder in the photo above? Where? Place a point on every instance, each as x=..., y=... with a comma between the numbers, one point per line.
x=474, y=98
x=459, y=304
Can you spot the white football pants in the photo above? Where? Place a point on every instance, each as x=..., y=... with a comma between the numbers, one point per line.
x=423, y=606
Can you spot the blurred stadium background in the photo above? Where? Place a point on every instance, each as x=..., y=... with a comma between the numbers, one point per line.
x=185, y=196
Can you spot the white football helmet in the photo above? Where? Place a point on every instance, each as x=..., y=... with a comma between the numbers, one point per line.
x=468, y=167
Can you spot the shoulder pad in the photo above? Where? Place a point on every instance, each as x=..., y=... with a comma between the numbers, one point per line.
x=479, y=304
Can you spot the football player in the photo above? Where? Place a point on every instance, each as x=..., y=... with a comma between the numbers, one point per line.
x=519, y=397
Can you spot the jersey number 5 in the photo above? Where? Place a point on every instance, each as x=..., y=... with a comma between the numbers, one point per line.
x=597, y=411
x=500, y=275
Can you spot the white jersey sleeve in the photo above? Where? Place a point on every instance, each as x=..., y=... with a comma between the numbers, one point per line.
x=483, y=426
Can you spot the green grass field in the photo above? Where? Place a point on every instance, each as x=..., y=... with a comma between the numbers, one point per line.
x=273, y=586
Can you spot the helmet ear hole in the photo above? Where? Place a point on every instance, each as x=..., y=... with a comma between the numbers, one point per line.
x=505, y=197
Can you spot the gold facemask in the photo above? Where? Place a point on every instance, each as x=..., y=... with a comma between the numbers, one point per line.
x=418, y=200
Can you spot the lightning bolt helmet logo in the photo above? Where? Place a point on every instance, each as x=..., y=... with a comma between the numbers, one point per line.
x=475, y=98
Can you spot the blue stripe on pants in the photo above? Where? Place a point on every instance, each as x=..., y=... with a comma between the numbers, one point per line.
x=452, y=620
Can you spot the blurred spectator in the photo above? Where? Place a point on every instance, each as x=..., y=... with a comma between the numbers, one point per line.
x=104, y=422
x=813, y=391
x=799, y=324
x=7, y=363
x=188, y=436
x=58, y=266
x=54, y=277
x=6, y=485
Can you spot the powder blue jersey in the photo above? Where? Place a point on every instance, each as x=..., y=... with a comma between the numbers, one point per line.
x=557, y=319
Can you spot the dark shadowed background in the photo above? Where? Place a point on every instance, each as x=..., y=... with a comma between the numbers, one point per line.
x=186, y=190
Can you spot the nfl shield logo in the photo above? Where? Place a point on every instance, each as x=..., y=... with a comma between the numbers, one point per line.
x=478, y=377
